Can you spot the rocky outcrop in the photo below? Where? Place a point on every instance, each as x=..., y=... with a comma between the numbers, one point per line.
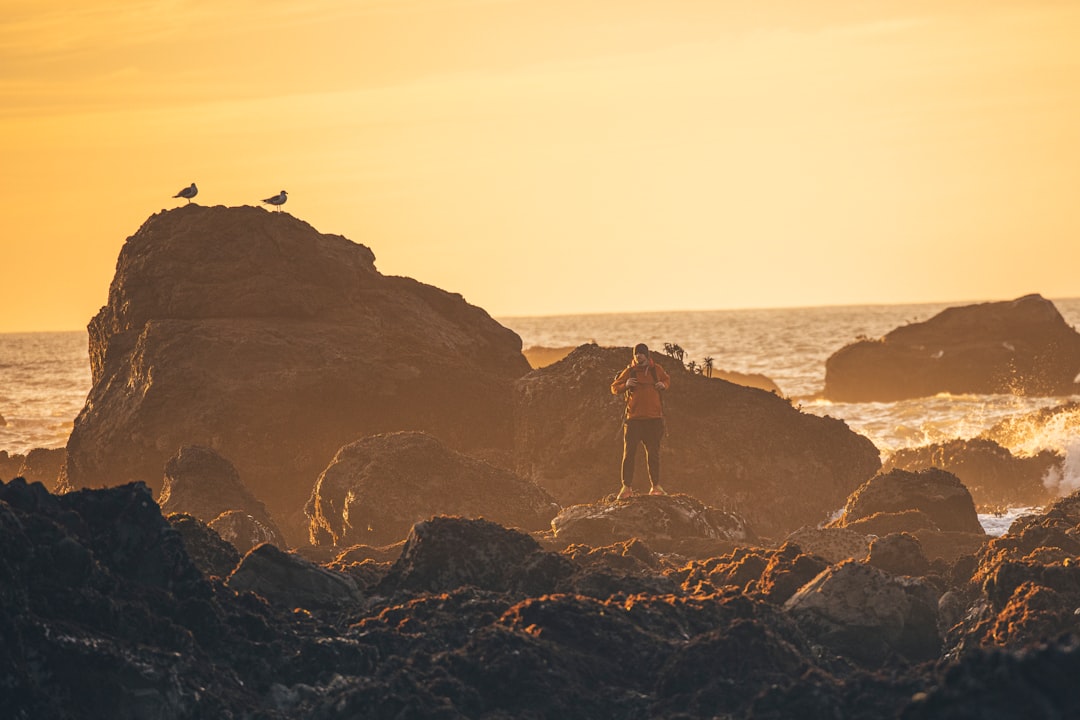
x=9, y=465
x=213, y=555
x=990, y=472
x=727, y=445
x=290, y=581
x=1021, y=347
x=376, y=488
x=43, y=465
x=252, y=333
x=835, y=544
x=864, y=613
x=665, y=522
x=201, y=483
x=937, y=494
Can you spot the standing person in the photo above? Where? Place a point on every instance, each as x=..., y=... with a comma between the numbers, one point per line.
x=642, y=381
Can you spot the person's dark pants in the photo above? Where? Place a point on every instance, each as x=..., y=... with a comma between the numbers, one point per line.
x=647, y=432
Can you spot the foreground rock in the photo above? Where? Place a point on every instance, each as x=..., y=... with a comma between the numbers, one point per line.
x=377, y=488
x=104, y=614
x=1022, y=347
x=251, y=333
x=727, y=445
x=668, y=523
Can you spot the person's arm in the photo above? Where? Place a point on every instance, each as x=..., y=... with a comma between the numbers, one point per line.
x=663, y=380
x=618, y=386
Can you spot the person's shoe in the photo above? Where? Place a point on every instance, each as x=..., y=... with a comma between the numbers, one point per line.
x=657, y=490
x=625, y=492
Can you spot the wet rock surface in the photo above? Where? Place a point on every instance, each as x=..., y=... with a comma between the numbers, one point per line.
x=106, y=610
x=727, y=445
x=1021, y=346
x=252, y=333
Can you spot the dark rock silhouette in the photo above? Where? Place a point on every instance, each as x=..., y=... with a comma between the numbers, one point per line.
x=252, y=333
x=376, y=488
x=10, y=464
x=213, y=555
x=990, y=472
x=1021, y=346
x=104, y=613
x=200, y=482
x=727, y=445
x=290, y=581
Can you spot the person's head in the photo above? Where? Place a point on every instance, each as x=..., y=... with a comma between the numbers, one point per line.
x=641, y=353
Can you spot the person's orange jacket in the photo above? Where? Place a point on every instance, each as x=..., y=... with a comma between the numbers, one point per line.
x=644, y=401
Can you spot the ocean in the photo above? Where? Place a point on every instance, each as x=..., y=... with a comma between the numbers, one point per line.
x=44, y=377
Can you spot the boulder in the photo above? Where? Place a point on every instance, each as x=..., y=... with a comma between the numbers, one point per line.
x=990, y=472
x=835, y=544
x=444, y=553
x=251, y=333
x=725, y=444
x=200, y=482
x=898, y=554
x=376, y=488
x=43, y=465
x=866, y=614
x=289, y=581
x=1022, y=347
x=659, y=520
x=244, y=531
x=938, y=494
x=212, y=554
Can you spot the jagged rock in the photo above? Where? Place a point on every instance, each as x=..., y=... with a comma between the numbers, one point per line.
x=213, y=555
x=200, y=482
x=445, y=553
x=376, y=488
x=243, y=531
x=9, y=465
x=43, y=465
x=254, y=334
x=835, y=544
x=938, y=494
x=726, y=444
x=898, y=554
x=629, y=567
x=660, y=520
x=864, y=613
x=990, y=472
x=1022, y=346
x=288, y=580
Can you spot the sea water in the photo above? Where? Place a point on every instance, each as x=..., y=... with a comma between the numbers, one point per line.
x=45, y=377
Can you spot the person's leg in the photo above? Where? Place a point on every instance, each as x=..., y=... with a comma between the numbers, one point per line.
x=631, y=439
x=651, y=435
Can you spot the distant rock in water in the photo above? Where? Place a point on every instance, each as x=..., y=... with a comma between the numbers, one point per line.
x=43, y=465
x=1021, y=347
x=376, y=488
x=10, y=464
x=993, y=475
x=727, y=445
x=252, y=333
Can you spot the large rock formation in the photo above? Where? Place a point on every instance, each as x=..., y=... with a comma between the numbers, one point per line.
x=376, y=488
x=1022, y=347
x=252, y=333
x=727, y=445
x=937, y=494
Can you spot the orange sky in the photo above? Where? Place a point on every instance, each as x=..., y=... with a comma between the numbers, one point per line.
x=558, y=156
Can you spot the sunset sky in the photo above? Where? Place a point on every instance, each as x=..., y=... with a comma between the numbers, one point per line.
x=558, y=156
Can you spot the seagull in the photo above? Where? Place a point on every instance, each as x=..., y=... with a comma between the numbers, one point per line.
x=187, y=193
x=277, y=200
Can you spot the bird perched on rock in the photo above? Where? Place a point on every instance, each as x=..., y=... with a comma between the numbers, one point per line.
x=278, y=199
x=187, y=193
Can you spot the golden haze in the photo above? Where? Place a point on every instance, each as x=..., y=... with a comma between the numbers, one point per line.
x=558, y=157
